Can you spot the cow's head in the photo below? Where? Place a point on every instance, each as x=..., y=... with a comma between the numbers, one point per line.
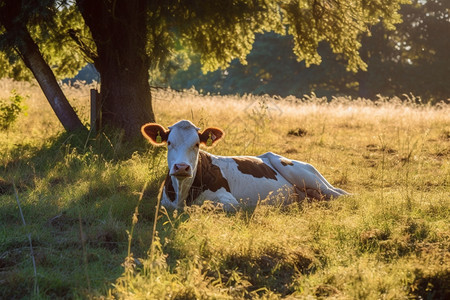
x=183, y=140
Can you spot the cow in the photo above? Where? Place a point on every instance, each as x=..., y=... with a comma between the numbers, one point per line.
x=233, y=181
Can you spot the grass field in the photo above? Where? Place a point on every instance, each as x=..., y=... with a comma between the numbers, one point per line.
x=89, y=205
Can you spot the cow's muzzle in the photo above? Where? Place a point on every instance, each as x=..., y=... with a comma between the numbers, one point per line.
x=181, y=170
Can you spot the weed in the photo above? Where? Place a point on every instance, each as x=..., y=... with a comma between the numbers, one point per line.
x=11, y=109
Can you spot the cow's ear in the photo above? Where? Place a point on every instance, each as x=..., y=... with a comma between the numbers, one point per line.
x=210, y=136
x=155, y=133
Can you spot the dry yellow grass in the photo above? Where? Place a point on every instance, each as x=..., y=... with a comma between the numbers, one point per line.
x=253, y=125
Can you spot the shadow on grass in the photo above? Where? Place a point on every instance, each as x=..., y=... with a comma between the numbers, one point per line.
x=432, y=284
x=78, y=197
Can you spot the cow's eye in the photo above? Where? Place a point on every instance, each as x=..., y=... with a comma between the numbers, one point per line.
x=197, y=145
x=168, y=143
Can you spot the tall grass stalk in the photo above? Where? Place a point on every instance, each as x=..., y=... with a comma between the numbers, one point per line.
x=383, y=163
x=154, y=232
x=130, y=262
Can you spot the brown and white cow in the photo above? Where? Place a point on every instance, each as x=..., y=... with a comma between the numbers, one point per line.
x=195, y=175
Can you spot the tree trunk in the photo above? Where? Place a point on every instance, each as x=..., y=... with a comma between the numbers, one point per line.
x=47, y=81
x=120, y=34
x=32, y=57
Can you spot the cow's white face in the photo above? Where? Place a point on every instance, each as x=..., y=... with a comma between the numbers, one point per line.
x=183, y=142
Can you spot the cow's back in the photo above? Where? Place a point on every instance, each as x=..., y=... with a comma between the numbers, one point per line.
x=252, y=179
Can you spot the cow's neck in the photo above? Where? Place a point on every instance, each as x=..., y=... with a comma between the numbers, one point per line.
x=183, y=188
x=205, y=176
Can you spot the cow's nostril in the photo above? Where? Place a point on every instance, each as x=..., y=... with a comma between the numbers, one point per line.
x=182, y=167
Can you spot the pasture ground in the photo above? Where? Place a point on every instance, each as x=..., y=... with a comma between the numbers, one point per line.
x=89, y=204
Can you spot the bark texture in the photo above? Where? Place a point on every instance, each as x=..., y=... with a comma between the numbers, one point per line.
x=119, y=30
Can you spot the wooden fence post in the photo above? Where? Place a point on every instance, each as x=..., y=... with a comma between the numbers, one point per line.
x=95, y=112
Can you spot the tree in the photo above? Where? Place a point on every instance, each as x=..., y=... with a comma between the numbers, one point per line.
x=131, y=37
x=14, y=17
x=417, y=60
x=413, y=58
x=272, y=68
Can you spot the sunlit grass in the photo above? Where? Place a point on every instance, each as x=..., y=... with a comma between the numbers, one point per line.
x=78, y=194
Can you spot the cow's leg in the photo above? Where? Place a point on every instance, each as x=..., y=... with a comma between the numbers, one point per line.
x=304, y=176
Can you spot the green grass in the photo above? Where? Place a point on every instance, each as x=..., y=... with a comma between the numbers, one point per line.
x=78, y=194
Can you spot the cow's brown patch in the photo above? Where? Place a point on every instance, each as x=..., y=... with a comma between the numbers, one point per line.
x=255, y=167
x=208, y=177
x=286, y=162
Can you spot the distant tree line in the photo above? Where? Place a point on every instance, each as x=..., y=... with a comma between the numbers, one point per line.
x=412, y=59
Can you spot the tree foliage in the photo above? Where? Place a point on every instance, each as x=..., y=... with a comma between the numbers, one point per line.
x=217, y=31
x=413, y=58
x=47, y=22
x=126, y=38
x=272, y=68
x=418, y=55
x=17, y=19
x=221, y=31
